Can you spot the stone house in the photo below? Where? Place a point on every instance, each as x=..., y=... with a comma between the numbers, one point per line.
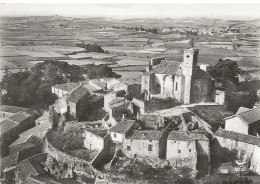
x=12, y=126
x=145, y=143
x=77, y=102
x=62, y=89
x=131, y=86
x=95, y=139
x=232, y=146
x=7, y=111
x=186, y=149
x=74, y=104
x=121, y=130
x=30, y=167
x=183, y=81
x=23, y=143
x=245, y=121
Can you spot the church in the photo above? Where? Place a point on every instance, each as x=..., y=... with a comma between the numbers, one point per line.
x=183, y=81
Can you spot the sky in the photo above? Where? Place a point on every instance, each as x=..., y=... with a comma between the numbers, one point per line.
x=157, y=9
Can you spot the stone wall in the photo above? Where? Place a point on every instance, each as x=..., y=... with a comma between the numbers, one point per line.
x=64, y=165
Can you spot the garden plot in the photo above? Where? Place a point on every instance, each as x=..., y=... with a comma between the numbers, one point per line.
x=140, y=68
x=5, y=64
x=129, y=74
x=94, y=55
x=41, y=54
x=128, y=62
x=83, y=62
x=121, y=49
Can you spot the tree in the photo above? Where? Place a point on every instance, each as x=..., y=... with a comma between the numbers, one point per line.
x=225, y=71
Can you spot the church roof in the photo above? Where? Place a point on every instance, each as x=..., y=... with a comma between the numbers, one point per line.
x=168, y=67
x=175, y=68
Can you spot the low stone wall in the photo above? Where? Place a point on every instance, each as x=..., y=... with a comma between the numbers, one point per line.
x=64, y=165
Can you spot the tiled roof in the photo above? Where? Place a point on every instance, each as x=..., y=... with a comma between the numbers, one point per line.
x=42, y=179
x=77, y=94
x=98, y=132
x=12, y=109
x=29, y=139
x=98, y=83
x=242, y=109
x=91, y=87
x=66, y=87
x=123, y=126
x=168, y=67
x=20, y=117
x=129, y=81
x=184, y=136
x=146, y=135
x=9, y=161
x=117, y=101
x=7, y=125
x=32, y=166
x=250, y=116
x=238, y=137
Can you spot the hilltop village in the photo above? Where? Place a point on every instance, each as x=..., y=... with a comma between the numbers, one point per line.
x=100, y=126
x=107, y=100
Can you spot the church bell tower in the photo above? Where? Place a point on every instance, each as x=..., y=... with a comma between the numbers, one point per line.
x=190, y=60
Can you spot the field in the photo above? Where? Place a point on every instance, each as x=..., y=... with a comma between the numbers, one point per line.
x=26, y=41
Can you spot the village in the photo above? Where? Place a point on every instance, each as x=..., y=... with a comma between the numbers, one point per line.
x=95, y=124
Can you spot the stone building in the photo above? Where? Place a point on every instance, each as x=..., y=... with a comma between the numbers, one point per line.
x=232, y=146
x=188, y=149
x=74, y=104
x=245, y=121
x=121, y=130
x=7, y=111
x=62, y=89
x=12, y=126
x=183, y=81
x=131, y=86
x=145, y=143
x=95, y=139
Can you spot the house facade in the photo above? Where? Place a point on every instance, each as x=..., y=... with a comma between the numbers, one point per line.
x=245, y=121
x=145, y=143
x=95, y=139
x=231, y=146
x=119, y=131
x=188, y=149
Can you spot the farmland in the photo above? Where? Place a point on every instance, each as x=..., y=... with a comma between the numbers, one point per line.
x=26, y=41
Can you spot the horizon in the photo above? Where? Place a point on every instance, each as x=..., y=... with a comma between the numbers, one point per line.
x=133, y=11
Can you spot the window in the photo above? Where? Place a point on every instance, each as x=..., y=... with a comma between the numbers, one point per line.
x=128, y=148
x=150, y=140
x=174, y=141
x=179, y=151
x=4, y=115
x=176, y=86
x=115, y=135
x=187, y=56
x=189, y=150
x=150, y=147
